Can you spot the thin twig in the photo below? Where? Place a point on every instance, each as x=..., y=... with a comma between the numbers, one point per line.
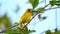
x=26, y=24
x=18, y=24
x=30, y=20
x=51, y=8
x=9, y=28
x=34, y=16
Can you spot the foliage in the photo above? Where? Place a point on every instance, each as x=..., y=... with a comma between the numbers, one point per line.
x=19, y=31
x=49, y=32
x=8, y=23
x=5, y=20
x=26, y=19
x=34, y=3
x=55, y=2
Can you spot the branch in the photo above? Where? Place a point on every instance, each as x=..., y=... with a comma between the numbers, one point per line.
x=26, y=24
x=34, y=16
x=30, y=20
x=51, y=8
x=9, y=28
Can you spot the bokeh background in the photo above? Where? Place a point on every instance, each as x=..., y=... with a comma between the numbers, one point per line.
x=53, y=16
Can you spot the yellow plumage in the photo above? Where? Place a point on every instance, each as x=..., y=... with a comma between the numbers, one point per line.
x=26, y=17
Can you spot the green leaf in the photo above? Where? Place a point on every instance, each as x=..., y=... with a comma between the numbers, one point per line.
x=25, y=30
x=0, y=22
x=31, y=1
x=58, y=3
x=55, y=2
x=19, y=31
x=6, y=21
x=35, y=3
x=48, y=32
x=0, y=25
x=12, y=31
x=21, y=25
x=1, y=19
x=9, y=31
x=30, y=31
x=52, y=3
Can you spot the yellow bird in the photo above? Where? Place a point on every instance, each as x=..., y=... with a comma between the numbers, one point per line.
x=26, y=17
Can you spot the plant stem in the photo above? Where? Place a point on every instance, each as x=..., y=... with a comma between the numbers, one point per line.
x=26, y=24
x=51, y=8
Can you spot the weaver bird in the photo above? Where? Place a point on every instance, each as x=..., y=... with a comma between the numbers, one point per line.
x=26, y=17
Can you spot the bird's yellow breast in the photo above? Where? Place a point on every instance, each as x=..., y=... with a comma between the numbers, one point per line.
x=26, y=17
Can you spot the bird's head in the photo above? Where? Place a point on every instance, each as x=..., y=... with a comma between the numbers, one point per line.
x=28, y=10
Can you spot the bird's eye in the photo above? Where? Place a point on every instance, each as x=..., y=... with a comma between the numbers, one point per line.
x=29, y=10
